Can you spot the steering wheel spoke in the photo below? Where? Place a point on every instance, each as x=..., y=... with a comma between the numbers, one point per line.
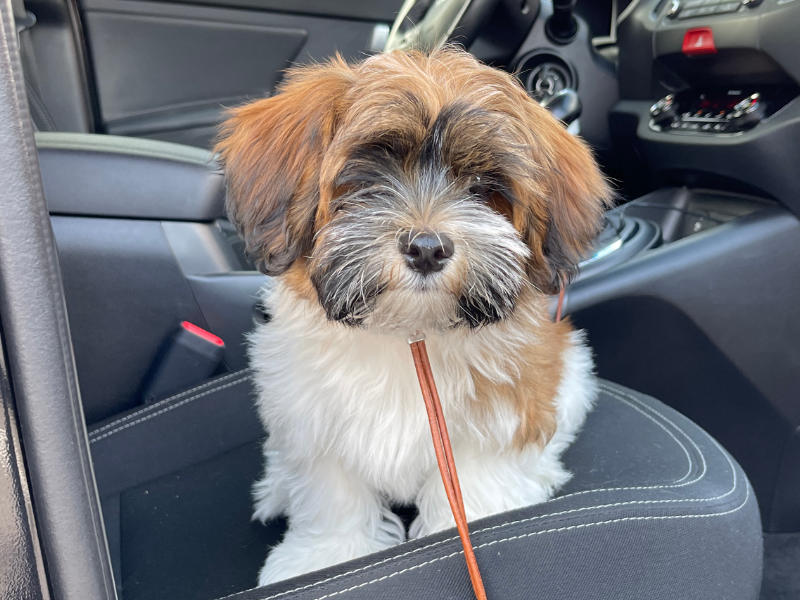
x=441, y=22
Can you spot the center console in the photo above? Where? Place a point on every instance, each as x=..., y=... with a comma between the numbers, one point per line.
x=713, y=111
x=707, y=136
x=711, y=97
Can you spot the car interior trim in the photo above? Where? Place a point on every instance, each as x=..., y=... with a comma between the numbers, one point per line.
x=41, y=362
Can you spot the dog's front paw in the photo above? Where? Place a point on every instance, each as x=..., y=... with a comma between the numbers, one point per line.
x=285, y=562
x=301, y=553
x=421, y=527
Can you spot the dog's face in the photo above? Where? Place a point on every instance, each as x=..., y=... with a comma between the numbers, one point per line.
x=412, y=191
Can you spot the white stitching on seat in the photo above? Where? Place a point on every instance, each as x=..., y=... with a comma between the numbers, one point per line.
x=621, y=392
x=166, y=409
x=172, y=398
x=619, y=395
x=534, y=533
x=734, y=479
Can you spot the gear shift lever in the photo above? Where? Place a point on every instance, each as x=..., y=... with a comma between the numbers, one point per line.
x=564, y=105
x=562, y=27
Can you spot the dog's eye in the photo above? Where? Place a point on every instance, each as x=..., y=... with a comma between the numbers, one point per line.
x=490, y=190
x=477, y=192
x=479, y=189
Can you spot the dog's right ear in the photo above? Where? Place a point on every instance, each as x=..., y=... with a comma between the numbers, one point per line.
x=271, y=151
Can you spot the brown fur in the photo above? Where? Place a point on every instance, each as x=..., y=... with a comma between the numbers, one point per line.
x=533, y=393
x=296, y=278
x=272, y=150
x=283, y=156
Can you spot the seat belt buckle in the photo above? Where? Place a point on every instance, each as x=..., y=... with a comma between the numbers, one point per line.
x=25, y=21
x=190, y=356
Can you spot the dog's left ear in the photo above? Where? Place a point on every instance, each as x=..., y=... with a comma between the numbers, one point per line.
x=272, y=150
x=563, y=203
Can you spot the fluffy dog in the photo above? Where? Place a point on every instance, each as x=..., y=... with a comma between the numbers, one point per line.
x=408, y=192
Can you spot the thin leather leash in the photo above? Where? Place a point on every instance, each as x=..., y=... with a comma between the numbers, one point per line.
x=444, y=452
x=444, y=456
x=560, y=305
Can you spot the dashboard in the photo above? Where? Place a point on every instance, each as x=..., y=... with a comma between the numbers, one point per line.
x=694, y=93
x=710, y=95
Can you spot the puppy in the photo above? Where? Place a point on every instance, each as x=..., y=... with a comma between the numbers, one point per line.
x=408, y=192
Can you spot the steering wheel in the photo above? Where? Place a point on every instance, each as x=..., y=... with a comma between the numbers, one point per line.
x=427, y=24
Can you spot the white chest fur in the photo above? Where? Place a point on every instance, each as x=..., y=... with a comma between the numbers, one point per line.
x=331, y=390
x=348, y=430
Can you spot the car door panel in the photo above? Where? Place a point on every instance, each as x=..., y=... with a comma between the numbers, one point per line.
x=168, y=70
x=374, y=10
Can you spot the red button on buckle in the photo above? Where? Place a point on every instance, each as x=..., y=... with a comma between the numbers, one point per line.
x=202, y=333
x=699, y=41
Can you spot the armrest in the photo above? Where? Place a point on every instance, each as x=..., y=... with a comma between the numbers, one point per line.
x=113, y=176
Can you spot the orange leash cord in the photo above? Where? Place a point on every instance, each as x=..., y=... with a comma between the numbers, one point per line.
x=444, y=457
x=444, y=452
x=560, y=306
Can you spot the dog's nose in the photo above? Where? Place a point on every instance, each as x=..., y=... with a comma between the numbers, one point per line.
x=426, y=252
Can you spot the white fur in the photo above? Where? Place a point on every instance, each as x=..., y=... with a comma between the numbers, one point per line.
x=348, y=432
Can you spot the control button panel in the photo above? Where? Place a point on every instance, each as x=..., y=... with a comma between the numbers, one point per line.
x=688, y=9
x=717, y=112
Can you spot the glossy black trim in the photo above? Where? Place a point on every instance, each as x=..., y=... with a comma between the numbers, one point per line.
x=20, y=553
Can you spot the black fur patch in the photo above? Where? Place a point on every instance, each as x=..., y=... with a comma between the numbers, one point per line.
x=357, y=307
x=482, y=311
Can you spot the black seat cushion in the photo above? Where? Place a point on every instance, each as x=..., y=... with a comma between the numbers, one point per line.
x=656, y=509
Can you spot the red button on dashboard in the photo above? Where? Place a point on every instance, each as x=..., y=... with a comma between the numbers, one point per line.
x=698, y=41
